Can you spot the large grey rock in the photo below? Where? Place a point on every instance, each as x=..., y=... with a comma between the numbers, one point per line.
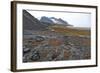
x=26, y=50
x=35, y=56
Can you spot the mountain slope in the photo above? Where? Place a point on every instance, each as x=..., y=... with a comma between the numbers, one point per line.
x=31, y=23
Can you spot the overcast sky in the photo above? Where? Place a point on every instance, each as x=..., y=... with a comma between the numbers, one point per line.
x=75, y=19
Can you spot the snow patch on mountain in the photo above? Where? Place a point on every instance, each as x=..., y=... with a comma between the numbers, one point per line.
x=53, y=20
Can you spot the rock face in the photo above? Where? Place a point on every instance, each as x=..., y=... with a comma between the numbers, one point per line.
x=32, y=23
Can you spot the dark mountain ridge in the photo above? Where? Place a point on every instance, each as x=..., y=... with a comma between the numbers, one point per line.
x=32, y=23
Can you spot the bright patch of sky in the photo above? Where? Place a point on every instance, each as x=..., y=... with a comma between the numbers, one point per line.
x=75, y=19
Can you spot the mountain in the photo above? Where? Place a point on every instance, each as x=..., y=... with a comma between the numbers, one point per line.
x=32, y=23
x=59, y=21
x=64, y=22
x=53, y=20
x=46, y=20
